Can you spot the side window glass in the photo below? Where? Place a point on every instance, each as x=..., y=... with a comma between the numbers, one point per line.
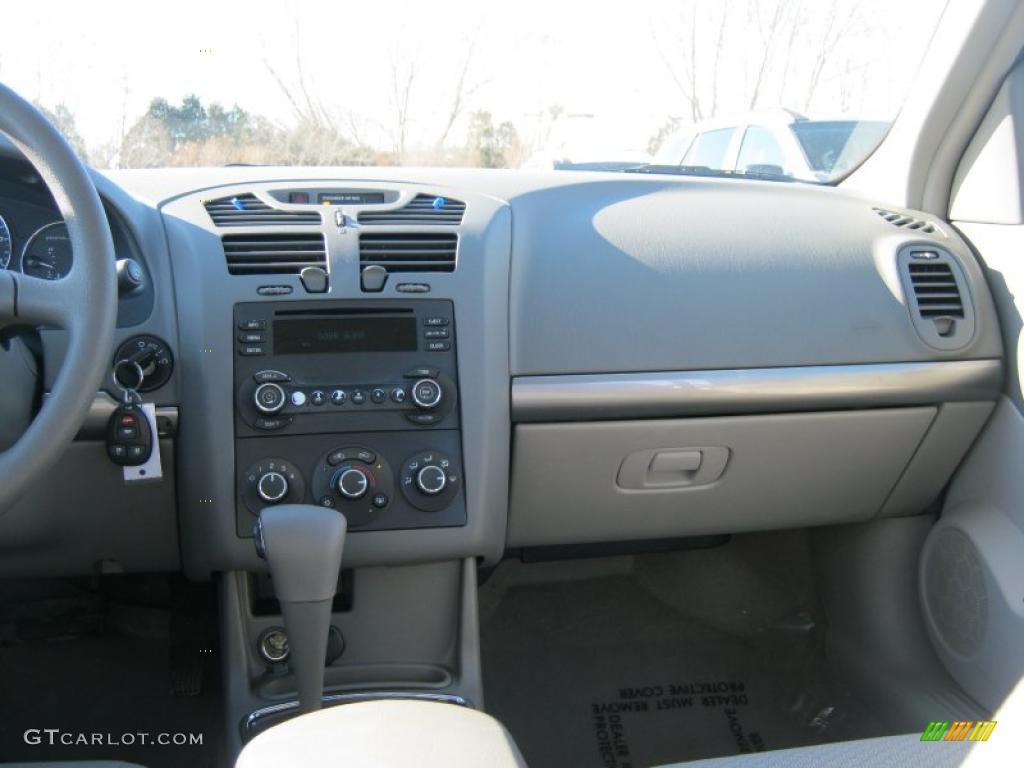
x=709, y=149
x=760, y=151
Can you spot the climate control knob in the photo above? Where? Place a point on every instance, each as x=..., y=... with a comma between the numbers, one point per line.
x=426, y=394
x=272, y=487
x=431, y=480
x=269, y=397
x=352, y=483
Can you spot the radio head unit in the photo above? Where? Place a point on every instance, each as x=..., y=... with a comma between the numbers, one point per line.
x=344, y=366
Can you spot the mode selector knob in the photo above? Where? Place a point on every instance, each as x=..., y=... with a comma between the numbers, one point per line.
x=431, y=480
x=269, y=397
x=426, y=394
x=352, y=484
x=272, y=487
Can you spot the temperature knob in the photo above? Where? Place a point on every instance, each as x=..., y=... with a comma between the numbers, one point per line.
x=269, y=397
x=351, y=483
x=272, y=487
x=431, y=480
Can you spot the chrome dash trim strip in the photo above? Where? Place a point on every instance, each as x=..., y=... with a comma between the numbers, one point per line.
x=578, y=397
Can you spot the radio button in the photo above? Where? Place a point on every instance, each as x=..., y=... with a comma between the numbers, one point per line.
x=423, y=419
x=398, y=395
x=269, y=424
x=252, y=325
x=358, y=397
x=317, y=397
x=262, y=377
x=252, y=338
x=298, y=398
x=424, y=372
x=438, y=346
x=435, y=321
x=250, y=350
x=338, y=397
x=378, y=395
x=434, y=333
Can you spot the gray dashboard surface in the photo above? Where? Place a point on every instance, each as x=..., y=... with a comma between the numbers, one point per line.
x=558, y=273
x=714, y=276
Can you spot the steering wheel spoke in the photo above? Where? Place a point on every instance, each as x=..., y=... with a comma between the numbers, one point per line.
x=35, y=301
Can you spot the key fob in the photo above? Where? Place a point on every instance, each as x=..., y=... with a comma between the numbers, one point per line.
x=129, y=438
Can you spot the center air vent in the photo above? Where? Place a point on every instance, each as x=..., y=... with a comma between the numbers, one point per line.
x=906, y=222
x=408, y=251
x=940, y=304
x=249, y=211
x=422, y=209
x=273, y=254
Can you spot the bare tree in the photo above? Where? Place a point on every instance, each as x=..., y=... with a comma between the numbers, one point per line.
x=769, y=34
x=836, y=25
x=403, y=76
x=463, y=93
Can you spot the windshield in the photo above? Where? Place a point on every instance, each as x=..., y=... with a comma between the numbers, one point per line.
x=532, y=84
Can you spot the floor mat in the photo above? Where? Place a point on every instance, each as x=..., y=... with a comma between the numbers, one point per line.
x=601, y=672
x=105, y=686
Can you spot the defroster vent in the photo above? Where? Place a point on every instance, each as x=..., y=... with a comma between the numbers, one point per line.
x=422, y=209
x=249, y=211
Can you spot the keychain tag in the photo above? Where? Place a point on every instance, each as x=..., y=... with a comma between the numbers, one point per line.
x=151, y=470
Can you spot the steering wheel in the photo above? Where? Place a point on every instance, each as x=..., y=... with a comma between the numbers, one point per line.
x=84, y=302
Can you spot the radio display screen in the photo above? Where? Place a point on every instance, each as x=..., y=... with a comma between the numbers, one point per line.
x=328, y=335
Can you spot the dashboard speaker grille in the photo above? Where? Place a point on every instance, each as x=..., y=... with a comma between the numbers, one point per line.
x=273, y=254
x=408, y=251
x=249, y=211
x=422, y=209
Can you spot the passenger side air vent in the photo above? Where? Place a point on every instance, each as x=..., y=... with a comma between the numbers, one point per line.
x=422, y=209
x=249, y=211
x=935, y=289
x=273, y=254
x=940, y=304
x=906, y=222
x=408, y=251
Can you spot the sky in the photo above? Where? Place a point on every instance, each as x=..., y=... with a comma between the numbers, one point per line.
x=615, y=66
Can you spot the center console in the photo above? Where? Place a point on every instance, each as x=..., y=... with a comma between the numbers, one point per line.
x=351, y=405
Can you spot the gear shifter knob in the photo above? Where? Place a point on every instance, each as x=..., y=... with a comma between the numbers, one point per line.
x=302, y=544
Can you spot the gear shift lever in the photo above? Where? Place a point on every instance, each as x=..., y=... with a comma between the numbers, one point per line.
x=302, y=544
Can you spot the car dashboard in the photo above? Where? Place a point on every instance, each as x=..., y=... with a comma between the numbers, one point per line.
x=468, y=362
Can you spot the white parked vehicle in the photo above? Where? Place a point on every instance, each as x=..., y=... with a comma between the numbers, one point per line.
x=775, y=142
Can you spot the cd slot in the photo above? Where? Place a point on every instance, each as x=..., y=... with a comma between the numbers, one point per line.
x=344, y=312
